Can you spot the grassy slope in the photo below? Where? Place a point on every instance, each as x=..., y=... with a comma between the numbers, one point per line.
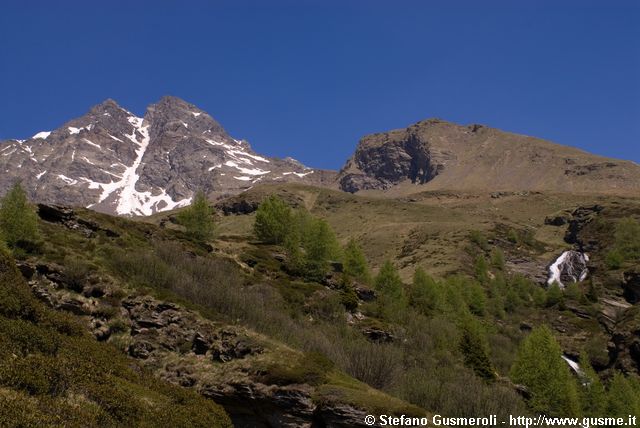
x=52, y=373
x=126, y=263
x=427, y=229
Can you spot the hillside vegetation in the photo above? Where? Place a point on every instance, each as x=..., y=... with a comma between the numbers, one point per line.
x=333, y=300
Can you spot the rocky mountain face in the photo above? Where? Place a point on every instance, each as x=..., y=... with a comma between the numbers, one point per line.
x=442, y=155
x=115, y=162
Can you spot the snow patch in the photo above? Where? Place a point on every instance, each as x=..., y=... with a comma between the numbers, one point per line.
x=130, y=201
x=39, y=176
x=42, y=135
x=69, y=181
x=73, y=130
x=116, y=138
x=243, y=178
x=91, y=143
x=195, y=113
x=299, y=174
x=246, y=170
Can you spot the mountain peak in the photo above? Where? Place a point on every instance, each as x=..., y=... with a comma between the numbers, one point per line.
x=113, y=161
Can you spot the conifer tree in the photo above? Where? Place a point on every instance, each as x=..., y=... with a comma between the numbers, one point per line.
x=274, y=220
x=197, y=218
x=475, y=350
x=592, y=394
x=554, y=295
x=481, y=269
x=391, y=297
x=388, y=281
x=320, y=246
x=426, y=295
x=18, y=219
x=622, y=399
x=355, y=263
x=539, y=366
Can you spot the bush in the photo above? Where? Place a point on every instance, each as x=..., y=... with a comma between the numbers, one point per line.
x=479, y=239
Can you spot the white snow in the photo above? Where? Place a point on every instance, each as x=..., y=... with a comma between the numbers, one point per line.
x=91, y=143
x=84, y=158
x=299, y=174
x=243, y=178
x=39, y=176
x=69, y=181
x=73, y=130
x=215, y=166
x=246, y=170
x=116, y=138
x=186, y=125
x=129, y=200
x=237, y=153
x=42, y=135
x=195, y=113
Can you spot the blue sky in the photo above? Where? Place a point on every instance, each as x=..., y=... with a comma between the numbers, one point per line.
x=308, y=78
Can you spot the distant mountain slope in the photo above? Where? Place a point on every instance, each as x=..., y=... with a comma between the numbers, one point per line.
x=443, y=155
x=113, y=161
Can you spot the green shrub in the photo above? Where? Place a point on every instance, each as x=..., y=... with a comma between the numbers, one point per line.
x=426, y=293
x=355, y=263
x=197, y=219
x=273, y=221
x=540, y=368
x=18, y=219
x=312, y=368
x=479, y=239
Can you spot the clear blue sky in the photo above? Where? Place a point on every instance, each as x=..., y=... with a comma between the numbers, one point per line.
x=309, y=78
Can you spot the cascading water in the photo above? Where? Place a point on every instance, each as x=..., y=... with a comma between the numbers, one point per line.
x=570, y=267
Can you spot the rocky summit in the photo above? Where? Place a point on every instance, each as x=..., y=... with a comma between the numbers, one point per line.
x=112, y=161
x=443, y=155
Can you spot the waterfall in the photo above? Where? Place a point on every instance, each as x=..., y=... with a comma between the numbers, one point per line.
x=571, y=266
x=574, y=366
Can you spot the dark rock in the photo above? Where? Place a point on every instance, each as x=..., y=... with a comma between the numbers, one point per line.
x=200, y=344
x=376, y=334
x=381, y=161
x=237, y=206
x=631, y=286
x=141, y=349
x=556, y=220
x=364, y=293
x=55, y=213
x=580, y=217
x=95, y=291
x=74, y=306
x=26, y=269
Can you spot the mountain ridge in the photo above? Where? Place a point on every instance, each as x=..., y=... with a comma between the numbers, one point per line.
x=116, y=162
x=113, y=161
x=447, y=156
